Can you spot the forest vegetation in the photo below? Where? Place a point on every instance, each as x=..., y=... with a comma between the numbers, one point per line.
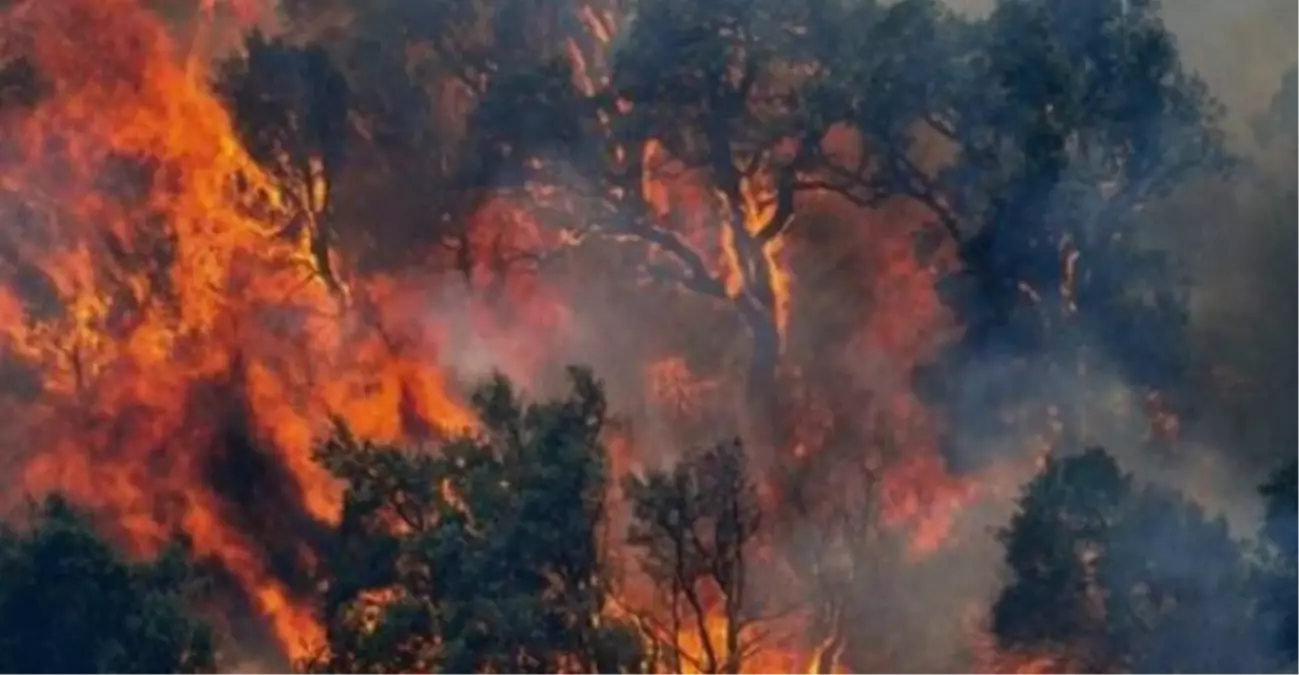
x=701, y=336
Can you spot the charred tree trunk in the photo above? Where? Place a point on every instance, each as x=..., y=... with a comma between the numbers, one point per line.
x=761, y=381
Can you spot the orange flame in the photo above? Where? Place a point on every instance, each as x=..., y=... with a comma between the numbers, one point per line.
x=146, y=288
x=144, y=281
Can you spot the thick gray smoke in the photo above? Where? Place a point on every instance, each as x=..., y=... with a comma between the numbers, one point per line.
x=1232, y=242
x=1241, y=49
x=1237, y=238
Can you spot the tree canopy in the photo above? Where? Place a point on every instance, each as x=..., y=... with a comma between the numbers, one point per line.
x=70, y=602
x=1111, y=574
x=1030, y=138
x=696, y=138
x=1075, y=118
x=695, y=527
x=290, y=108
x=485, y=555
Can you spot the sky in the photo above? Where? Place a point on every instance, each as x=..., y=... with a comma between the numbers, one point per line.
x=1239, y=47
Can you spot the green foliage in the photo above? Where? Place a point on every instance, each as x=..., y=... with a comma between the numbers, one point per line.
x=1175, y=576
x=488, y=549
x=1067, y=507
x=1119, y=576
x=69, y=603
x=1035, y=136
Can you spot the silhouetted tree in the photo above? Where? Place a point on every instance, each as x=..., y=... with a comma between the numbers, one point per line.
x=289, y=105
x=416, y=70
x=695, y=526
x=1283, y=113
x=1112, y=575
x=1065, y=120
x=480, y=556
x=70, y=603
x=857, y=571
x=1032, y=135
x=710, y=118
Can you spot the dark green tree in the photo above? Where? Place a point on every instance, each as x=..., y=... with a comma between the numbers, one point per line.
x=484, y=555
x=70, y=602
x=1177, y=590
x=1111, y=575
x=1063, y=514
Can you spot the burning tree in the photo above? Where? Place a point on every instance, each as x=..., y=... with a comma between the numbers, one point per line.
x=415, y=72
x=696, y=527
x=848, y=558
x=290, y=105
x=702, y=132
x=697, y=140
x=713, y=119
x=171, y=283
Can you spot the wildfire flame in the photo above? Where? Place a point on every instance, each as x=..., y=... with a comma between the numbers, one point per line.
x=150, y=298
x=143, y=277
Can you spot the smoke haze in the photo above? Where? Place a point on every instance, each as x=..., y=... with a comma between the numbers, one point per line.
x=865, y=313
x=1235, y=240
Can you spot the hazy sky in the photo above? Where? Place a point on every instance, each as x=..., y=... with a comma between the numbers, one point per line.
x=1240, y=47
